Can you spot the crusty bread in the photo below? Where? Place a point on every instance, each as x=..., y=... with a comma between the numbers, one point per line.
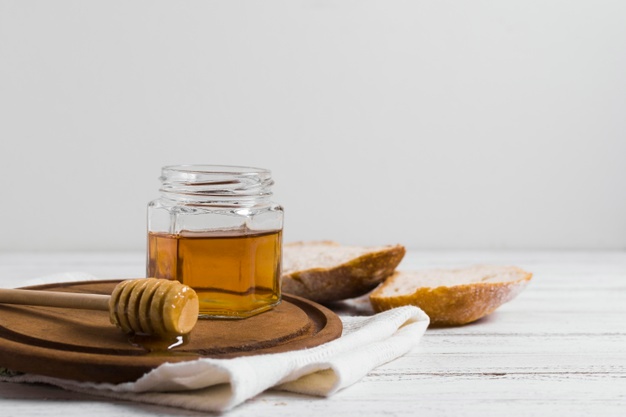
x=327, y=271
x=452, y=296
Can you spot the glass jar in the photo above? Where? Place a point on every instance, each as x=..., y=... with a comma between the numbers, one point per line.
x=215, y=229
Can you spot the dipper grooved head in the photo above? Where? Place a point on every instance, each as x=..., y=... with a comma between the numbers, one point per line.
x=154, y=306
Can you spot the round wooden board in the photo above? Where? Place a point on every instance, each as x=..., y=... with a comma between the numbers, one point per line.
x=83, y=345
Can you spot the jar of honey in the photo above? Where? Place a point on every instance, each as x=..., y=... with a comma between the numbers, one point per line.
x=215, y=229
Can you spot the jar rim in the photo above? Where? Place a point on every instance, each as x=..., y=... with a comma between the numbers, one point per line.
x=216, y=184
x=215, y=169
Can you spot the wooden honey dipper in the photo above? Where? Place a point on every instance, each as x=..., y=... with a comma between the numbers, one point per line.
x=147, y=306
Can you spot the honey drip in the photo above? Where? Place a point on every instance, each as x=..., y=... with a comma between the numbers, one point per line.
x=158, y=344
x=235, y=274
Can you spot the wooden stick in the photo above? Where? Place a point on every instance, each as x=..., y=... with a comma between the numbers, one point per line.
x=145, y=305
x=55, y=299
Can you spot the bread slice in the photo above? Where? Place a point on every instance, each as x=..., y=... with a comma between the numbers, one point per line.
x=326, y=271
x=452, y=297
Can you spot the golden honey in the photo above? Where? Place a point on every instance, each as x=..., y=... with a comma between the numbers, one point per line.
x=236, y=274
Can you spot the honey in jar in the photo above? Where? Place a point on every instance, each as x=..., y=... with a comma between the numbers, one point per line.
x=215, y=230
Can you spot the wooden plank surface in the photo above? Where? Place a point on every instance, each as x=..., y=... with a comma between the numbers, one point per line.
x=558, y=349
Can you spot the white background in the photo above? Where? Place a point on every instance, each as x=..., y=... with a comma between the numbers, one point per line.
x=435, y=124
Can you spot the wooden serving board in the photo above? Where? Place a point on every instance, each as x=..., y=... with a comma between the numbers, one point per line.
x=83, y=345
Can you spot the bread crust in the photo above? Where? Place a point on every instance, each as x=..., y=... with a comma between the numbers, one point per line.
x=453, y=305
x=349, y=279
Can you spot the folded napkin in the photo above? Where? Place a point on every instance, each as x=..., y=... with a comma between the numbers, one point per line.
x=221, y=384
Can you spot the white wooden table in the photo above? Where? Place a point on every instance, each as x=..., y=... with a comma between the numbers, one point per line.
x=558, y=349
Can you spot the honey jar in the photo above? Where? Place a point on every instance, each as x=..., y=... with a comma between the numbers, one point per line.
x=215, y=229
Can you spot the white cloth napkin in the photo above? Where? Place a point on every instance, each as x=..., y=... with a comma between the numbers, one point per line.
x=221, y=384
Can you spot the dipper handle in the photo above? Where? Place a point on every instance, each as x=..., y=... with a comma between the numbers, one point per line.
x=55, y=299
